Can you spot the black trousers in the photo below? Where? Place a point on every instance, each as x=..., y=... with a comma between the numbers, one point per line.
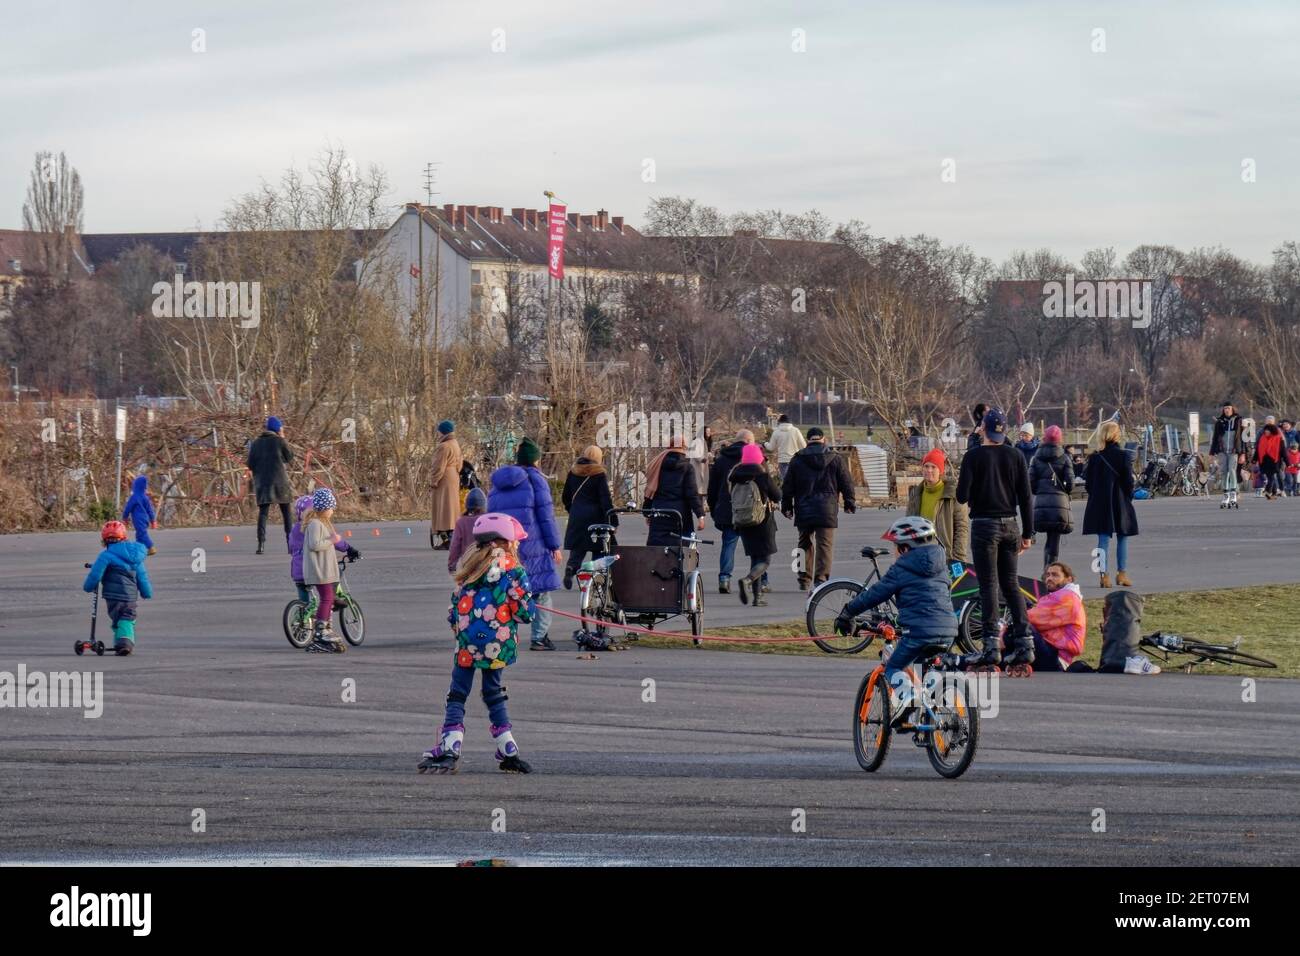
x=1052, y=549
x=995, y=549
x=261, y=521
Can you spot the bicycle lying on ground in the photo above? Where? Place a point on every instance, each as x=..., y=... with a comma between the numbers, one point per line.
x=1166, y=644
x=938, y=715
x=299, y=615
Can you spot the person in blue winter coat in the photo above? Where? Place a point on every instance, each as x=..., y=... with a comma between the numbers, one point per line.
x=120, y=571
x=139, y=512
x=918, y=582
x=521, y=491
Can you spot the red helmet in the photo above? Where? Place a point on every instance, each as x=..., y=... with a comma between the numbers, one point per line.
x=113, y=531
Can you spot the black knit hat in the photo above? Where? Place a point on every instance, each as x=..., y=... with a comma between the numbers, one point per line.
x=528, y=453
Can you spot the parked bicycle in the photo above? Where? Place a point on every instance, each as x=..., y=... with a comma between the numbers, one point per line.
x=299, y=615
x=829, y=598
x=937, y=713
x=1202, y=652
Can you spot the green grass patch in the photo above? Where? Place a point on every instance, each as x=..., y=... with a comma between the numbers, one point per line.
x=1267, y=618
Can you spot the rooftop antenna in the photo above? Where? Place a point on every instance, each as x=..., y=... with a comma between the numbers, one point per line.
x=430, y=180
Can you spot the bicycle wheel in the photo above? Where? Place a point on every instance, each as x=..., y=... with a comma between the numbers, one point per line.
x=697, y=618
x=970, y=625
x=871, y=730
x=951, y=745
x=823, y=607
x=1225, y=655
x=297, y=623
x=353, y=622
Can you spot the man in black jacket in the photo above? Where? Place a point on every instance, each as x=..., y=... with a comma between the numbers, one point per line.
x=994, y=484
x=267, y=456
x=719, y=499
x=815, y=482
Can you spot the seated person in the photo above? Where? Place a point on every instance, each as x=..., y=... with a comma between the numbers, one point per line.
x=918, y=580
x=1058, y=620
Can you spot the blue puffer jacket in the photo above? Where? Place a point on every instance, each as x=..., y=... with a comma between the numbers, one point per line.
x=121, y=567
x=918, y=582
x=139, y=509
x=524, y=494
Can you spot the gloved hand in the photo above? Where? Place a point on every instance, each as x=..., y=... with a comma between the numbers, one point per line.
x=353, y=553
x=851, y=509
x=844, y=624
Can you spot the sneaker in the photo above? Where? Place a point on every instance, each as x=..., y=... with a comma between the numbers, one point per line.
x=1140, y=664
x=724, y=585
x=543, y=645
x=151, y=552
x=122, y=647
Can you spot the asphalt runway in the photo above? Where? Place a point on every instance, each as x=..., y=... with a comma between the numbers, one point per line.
x=216, y=712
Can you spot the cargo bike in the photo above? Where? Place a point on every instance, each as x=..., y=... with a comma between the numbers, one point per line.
x=639, y=585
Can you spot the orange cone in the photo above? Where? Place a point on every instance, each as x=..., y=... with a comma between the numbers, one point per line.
x=376, y=532
x=227, y=539
x=347, y=533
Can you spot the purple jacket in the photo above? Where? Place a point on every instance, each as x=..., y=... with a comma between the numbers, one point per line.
x=295, y=550
x=524, y=494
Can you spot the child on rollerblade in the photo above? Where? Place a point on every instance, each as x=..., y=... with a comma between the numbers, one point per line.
x=491, y=600
x=139, y=511
x=295, y=542
x=320, y=568
x=918, y=580
x=120, y=570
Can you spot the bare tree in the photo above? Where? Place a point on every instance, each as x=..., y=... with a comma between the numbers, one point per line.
x=52, y=213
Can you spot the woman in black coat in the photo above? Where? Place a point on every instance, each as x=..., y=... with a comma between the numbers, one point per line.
x=587, y=500
x=758, y=540
x=267, y=456
x=1109, y=512
x=671, y=486
x=1051, y=479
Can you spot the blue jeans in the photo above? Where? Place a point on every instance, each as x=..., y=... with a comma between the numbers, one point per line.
x=727, y=559
x=494, y=695
x=542, y=604
x=910, y=649
x=1121, y=550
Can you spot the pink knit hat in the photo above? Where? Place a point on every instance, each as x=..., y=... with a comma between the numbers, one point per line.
x=751, y=454
x=1052, y=435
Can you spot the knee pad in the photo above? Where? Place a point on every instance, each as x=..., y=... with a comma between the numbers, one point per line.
x=455, y=697
x=500, y=697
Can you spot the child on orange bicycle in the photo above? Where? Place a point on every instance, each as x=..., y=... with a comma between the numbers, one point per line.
x=918, y=580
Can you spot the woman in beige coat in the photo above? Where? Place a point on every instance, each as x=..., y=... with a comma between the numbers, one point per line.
x=444, y=482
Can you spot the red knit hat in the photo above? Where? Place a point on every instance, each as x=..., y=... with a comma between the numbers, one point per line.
x=936, y=457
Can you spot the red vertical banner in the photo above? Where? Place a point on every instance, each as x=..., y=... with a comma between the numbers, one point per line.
x=558, y=224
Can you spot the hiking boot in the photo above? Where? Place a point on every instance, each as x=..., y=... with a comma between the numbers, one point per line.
x=1123, y=580
x=1105, y=580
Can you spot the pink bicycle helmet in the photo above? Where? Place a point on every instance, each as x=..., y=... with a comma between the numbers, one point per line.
x=495, y=525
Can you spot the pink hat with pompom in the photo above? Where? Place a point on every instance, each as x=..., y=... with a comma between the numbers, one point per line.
x=751, y=454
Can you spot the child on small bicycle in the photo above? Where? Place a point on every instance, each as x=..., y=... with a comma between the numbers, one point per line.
x=320, y=568
x=492, y=599
x=295, y=541
x=918, y=581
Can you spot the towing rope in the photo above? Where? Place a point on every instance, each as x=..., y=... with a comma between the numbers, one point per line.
x=689, y=637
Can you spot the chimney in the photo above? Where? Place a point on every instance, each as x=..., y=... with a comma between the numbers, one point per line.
x=618, y=223
x=471, y=212
x=575, y=221
x=447, y=210
x=485, y=214
x=519, y=214
x=602, y=219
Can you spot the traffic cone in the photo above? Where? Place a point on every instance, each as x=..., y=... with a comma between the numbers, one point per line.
x=376, y=532
x=347, y=533
x=227, y=539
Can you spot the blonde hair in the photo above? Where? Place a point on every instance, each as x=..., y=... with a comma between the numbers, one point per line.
x=1107, y=433
x=310, y=515
x=476, y=562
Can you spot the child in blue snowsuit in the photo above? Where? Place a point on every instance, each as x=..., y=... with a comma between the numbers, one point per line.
x=139, y=512
x=120, y=570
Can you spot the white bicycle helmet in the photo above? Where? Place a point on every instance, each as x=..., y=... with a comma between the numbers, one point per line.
x=910, y=530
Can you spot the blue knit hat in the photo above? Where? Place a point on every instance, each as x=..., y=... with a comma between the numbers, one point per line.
x=475, y=500
x=274, y=424
x=323, y=499
x=445, y=427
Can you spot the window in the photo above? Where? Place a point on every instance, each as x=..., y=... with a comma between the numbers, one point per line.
x=476, y=276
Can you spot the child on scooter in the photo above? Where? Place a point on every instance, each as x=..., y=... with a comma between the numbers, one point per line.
x=120, y=569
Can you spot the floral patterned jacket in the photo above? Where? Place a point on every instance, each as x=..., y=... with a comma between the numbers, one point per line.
x=485, y=614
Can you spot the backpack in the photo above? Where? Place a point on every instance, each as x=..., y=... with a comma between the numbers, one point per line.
x=748, y=509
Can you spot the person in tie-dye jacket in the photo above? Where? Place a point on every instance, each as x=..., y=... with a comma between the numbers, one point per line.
x=1058, y=620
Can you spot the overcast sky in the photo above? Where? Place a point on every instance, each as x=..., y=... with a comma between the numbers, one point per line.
x=1054, y=144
